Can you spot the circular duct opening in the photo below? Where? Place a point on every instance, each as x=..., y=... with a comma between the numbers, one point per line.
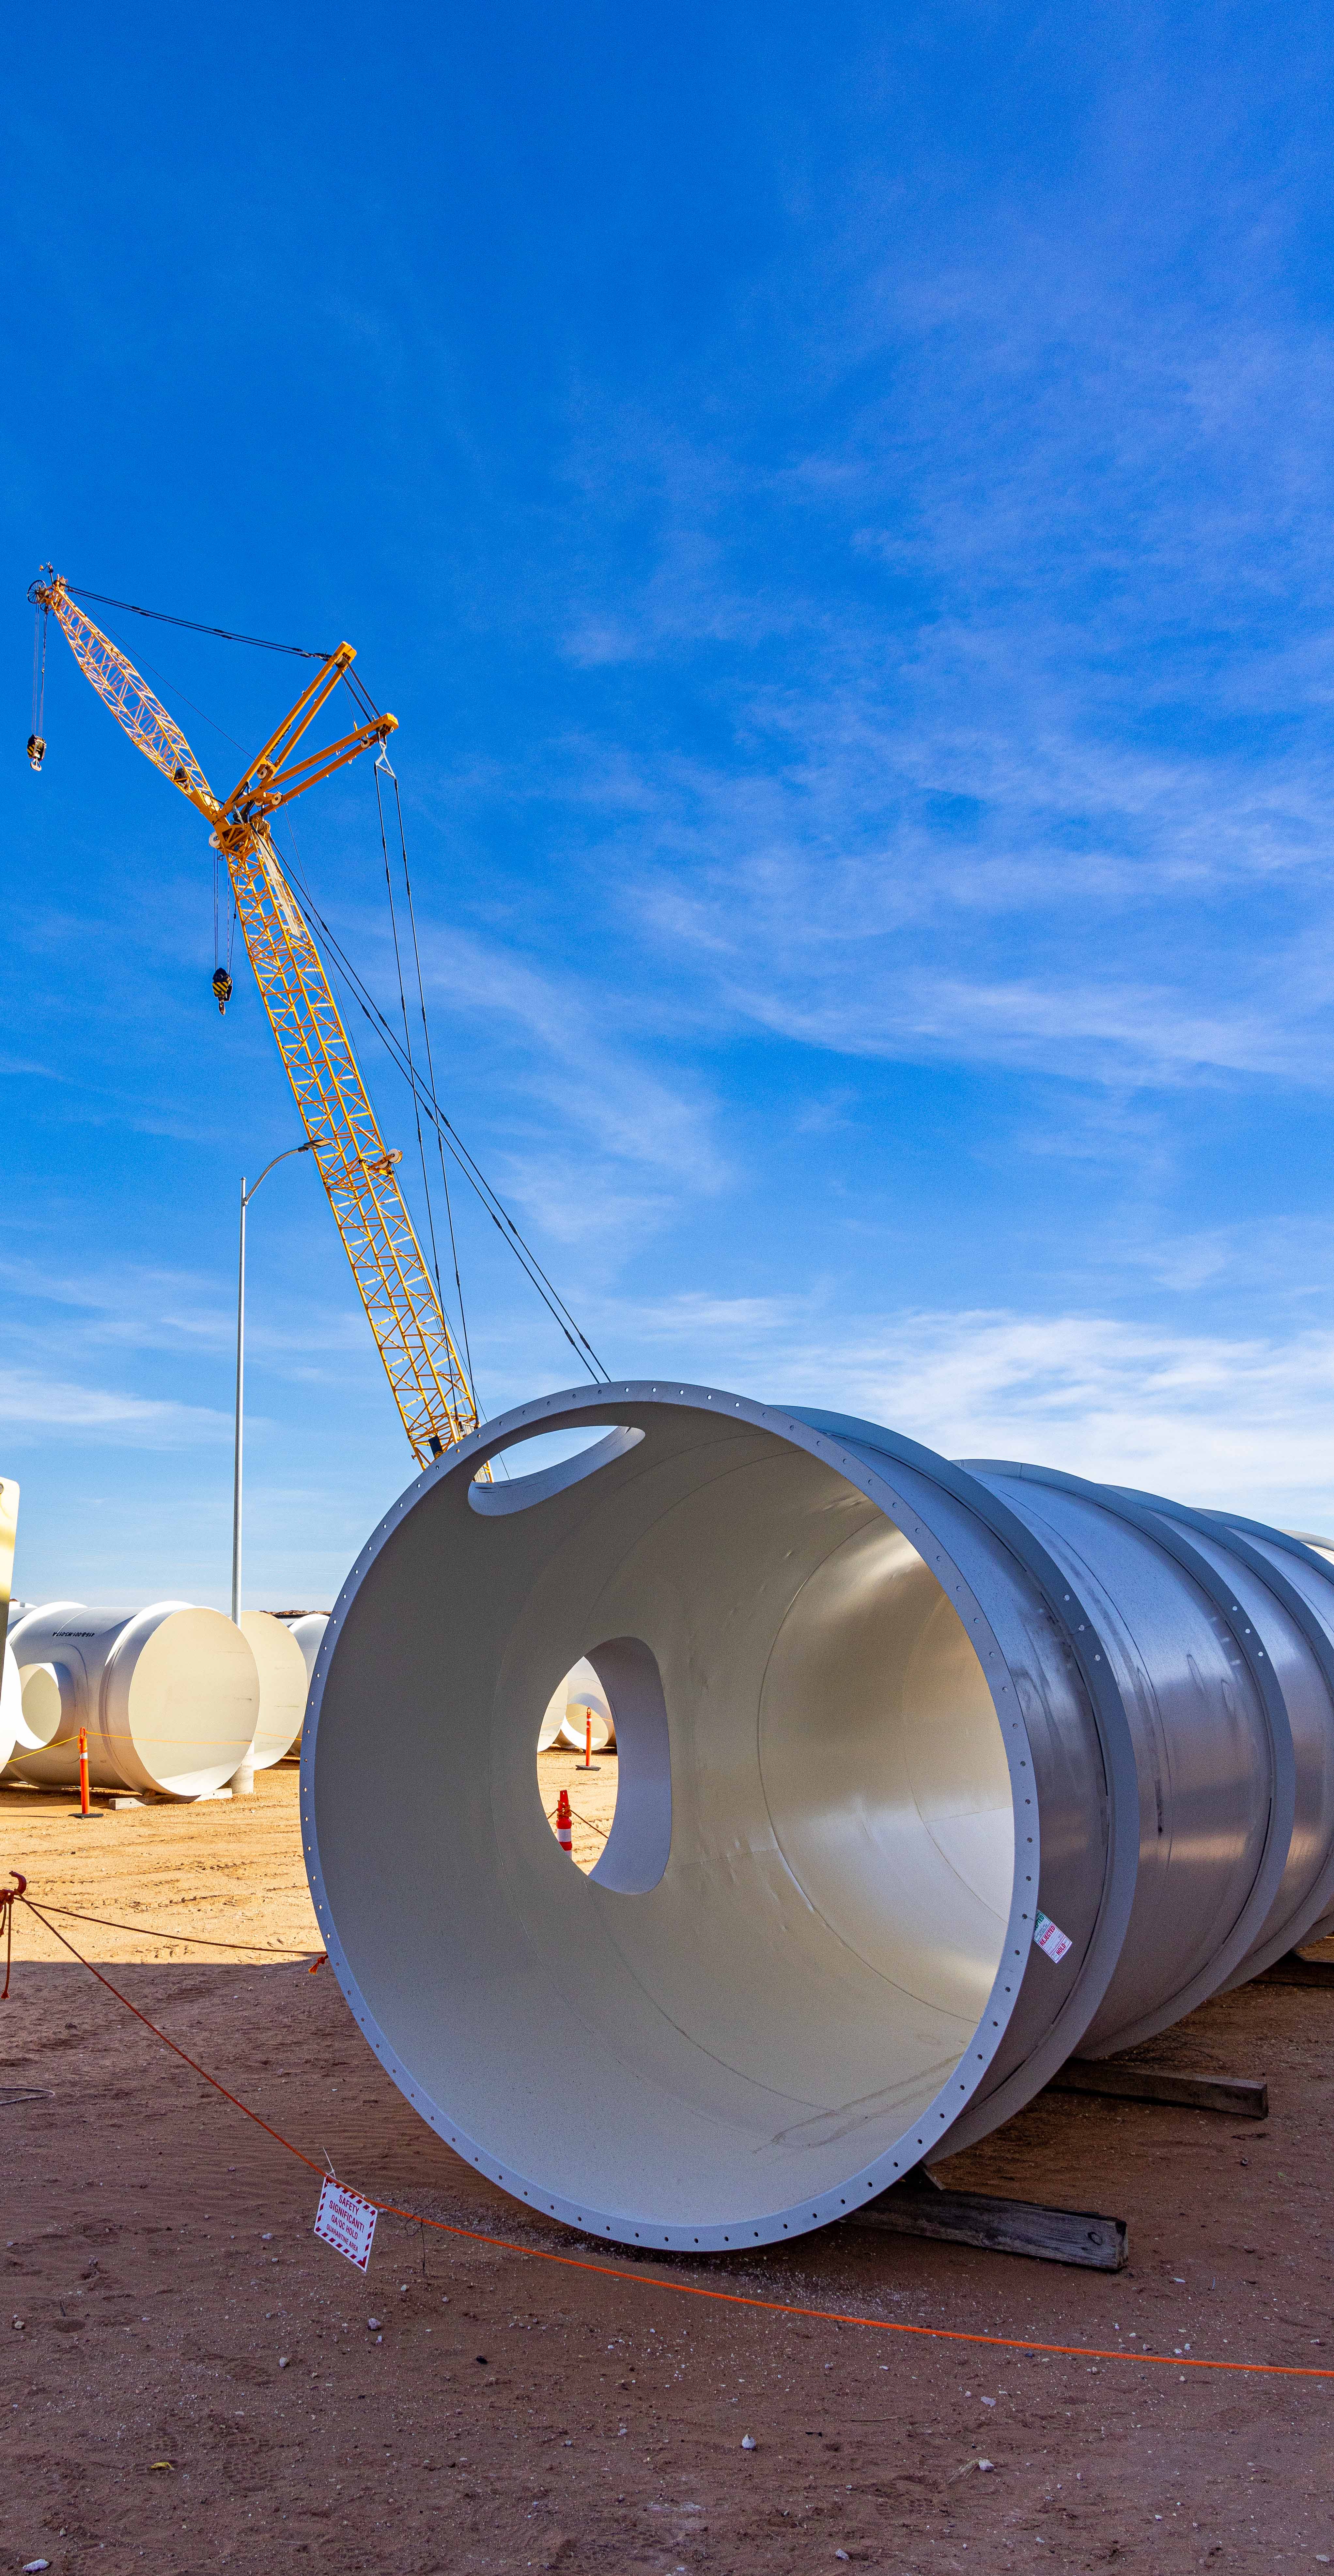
x=787, y=1971
x=180, y=1706
x=42, y=1704
x=576, y=1753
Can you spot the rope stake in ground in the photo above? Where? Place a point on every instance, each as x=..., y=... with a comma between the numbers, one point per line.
x=1181, y=2362
x=9, y=1898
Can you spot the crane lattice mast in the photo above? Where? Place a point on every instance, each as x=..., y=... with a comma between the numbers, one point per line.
x=358, y=1169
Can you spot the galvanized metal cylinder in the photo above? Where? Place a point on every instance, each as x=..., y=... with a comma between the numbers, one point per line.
x=929, y=1776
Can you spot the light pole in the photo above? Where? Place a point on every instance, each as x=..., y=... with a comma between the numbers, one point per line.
x=246, y=1197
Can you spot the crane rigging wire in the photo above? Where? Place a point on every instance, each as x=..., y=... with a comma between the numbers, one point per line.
x=407, y=1042
x=385, y=763
x=472, y=1172
x=422, y=1088
x=301, y=652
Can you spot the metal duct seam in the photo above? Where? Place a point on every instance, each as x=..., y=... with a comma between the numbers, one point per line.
x=1280, y=1788
x=1059, y=2028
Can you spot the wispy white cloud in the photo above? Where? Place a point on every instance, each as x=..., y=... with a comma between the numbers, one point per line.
x=32, y=1400
x=1051, y=646
x=1211, y=1419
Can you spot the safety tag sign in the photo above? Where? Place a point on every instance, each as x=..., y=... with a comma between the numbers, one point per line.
x=1047, y=1937
x=346, y=2221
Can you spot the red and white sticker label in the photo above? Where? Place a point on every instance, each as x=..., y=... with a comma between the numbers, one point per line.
x=1047, y=1937
x=346, y=2221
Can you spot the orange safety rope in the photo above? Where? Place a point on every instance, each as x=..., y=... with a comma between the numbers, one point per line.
x=196, y=1940
x=686, y=2289
x=579, y=1820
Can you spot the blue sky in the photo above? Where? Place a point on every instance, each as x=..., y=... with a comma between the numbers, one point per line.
x=840, y=503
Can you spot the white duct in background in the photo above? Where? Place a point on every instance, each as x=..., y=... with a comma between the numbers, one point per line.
x=39, y=1716
x=169, y=1696
x=308, y=1631
x=585, y=1698
x=11, y=1706
x=281, y=1666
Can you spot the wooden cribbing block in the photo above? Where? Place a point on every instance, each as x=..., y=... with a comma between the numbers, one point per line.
x=999, y=2226
x=1298, y=1971
x=1246, y=2097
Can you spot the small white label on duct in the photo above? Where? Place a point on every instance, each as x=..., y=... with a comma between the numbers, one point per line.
x=346, y=2221
x=1047, y=1937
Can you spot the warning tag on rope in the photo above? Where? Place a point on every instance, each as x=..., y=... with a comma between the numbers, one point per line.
x=346, y=2221
x=1046, y=1937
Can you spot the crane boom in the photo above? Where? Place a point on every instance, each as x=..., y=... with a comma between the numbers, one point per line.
x=357, y=1168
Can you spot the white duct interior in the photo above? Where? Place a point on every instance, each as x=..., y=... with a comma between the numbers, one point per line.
x=11, y=1706
x=281, y=1665
x=793, y=1935
x=586, y=1712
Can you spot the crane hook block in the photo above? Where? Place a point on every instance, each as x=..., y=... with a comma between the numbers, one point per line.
x=36, y=750
x=222, y=988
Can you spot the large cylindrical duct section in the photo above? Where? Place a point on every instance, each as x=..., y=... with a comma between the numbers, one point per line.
x=169, y=1697
x=11, y=1705
x=578, y=1713
x=308, y=1628
x=281, y=1665
x=929, y=1777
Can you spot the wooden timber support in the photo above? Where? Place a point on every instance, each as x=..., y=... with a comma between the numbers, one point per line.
x=920, y=2206
x=1246, y=2097
x=1298, y=1970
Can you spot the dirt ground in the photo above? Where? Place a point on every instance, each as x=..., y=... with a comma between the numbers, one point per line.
x=464, y=2407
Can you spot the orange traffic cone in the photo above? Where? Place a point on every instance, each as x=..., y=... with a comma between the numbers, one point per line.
x=565, y=1824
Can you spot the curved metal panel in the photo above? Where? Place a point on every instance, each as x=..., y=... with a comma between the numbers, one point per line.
x=930, y=1774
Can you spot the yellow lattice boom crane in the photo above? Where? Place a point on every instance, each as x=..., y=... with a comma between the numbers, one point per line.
x=357, y=1168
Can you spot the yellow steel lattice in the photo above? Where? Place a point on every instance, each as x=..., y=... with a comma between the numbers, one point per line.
x=395, y=1286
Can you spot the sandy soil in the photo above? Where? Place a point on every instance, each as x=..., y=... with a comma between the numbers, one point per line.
x=504, y=2413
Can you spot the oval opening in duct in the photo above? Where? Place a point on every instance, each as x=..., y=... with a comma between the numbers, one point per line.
x=552, y=1462
x=621, y=1799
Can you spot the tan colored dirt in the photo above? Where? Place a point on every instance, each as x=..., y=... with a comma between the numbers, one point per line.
x=505, y=2413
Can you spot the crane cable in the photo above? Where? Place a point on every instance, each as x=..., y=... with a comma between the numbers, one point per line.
x=472, y=1172
x=385, y=763
x=423, y=1090
x=36, y=743
x=302, y=652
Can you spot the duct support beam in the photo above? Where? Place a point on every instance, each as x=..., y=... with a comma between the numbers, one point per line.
x=930, y=1777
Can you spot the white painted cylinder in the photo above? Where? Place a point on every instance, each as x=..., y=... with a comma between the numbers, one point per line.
x=586, y=1699
x=169, y=1696
x=308, y=1630
x=282, y=1686
x=11, y=1706
x=40, y=1717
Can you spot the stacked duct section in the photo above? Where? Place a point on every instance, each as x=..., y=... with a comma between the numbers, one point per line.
x=169, y=1696
x=929, y=1778
x=281, y=1666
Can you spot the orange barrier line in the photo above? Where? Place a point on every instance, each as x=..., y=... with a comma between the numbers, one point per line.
x=196, y=1940
x=694, y=2289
